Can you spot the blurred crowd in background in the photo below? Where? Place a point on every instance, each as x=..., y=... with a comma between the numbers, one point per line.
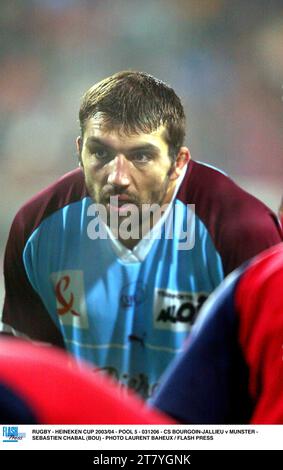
x=223, y=58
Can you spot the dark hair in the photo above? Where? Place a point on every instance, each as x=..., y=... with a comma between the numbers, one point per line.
x=133, y=102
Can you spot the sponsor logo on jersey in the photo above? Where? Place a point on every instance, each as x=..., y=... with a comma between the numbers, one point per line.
x=132, y=294
x=176, y=311
x=70, y=298
x=139, y=383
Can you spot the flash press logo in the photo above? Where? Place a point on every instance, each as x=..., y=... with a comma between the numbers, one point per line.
x=12, y=434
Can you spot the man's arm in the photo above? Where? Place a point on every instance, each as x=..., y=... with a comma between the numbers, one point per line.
x=24, y=310
x=24, y=313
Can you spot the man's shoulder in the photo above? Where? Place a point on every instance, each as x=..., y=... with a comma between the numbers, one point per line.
x=204, y=182
x=66, y=190
x=264, y=271
x=239, y=224
x=217, y=197
x=264, y=274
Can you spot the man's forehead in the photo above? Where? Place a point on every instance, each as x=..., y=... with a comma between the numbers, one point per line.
x=96, y=127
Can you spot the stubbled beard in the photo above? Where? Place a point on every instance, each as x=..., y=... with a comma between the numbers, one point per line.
x=143, y=221
x=156, y=197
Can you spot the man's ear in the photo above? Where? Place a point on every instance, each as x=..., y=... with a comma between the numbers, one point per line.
x=79, y=146
x=182, y=159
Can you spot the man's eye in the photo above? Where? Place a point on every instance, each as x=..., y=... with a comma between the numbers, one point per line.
x=141, y=157
x=101, y=154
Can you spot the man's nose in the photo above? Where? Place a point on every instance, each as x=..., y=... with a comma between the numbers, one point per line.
x=119, y=173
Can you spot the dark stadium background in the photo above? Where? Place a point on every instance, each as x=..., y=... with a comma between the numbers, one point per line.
x=224, y=58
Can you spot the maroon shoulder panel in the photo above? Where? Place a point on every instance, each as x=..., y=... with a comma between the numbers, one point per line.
x=240, y=225
x=23, y=308
x=69, y=188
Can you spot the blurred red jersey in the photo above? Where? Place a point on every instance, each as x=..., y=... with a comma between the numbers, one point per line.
x=43, y=385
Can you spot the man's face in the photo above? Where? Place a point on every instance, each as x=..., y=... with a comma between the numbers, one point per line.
x=136, y=169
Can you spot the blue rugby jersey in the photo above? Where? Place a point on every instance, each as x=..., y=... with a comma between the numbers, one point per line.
x=127, y=318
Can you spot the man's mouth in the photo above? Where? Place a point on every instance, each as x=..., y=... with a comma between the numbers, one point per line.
x=121, y=204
